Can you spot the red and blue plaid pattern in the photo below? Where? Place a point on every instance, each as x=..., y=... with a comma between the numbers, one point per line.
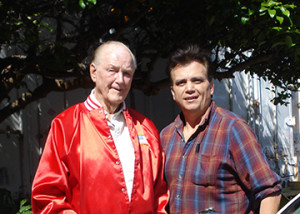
x=221, y=167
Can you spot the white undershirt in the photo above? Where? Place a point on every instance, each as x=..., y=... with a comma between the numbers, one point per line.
x=123, y=143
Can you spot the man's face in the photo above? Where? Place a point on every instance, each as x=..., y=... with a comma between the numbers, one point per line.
x=191, y=88
x=112, y=73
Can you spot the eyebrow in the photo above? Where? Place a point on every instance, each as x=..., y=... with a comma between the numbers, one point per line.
x=180, y=81
x=118, y=67
x=198, y=78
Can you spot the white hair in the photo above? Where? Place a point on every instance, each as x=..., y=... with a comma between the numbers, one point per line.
x=99, y=48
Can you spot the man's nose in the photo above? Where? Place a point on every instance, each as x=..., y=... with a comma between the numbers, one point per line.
x=189, y=87
x=119, y=77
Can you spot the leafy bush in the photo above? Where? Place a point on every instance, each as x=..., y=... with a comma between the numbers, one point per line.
x=24, y=209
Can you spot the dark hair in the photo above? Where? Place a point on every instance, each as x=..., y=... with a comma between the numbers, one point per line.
x=188, y=54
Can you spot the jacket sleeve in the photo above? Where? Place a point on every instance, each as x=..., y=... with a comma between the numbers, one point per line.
x=161, y=188
x=50, y=189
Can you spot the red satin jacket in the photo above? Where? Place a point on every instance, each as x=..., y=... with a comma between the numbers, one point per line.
x=80, y=171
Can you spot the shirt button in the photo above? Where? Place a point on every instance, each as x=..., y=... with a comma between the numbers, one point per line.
x=177, y=196
x=109, y=136
x=179, y=177
x=123, y=189
x=117, y=162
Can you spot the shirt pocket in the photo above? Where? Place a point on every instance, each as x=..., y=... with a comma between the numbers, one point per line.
x=206, y=169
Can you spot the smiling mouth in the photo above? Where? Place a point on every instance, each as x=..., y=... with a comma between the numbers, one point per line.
x=189, y=99
x=117, y=89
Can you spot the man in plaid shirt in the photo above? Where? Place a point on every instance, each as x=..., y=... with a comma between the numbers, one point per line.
x=213, y=160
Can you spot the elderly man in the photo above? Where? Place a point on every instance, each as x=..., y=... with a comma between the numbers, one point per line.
x=213, y=161
x=101, y=156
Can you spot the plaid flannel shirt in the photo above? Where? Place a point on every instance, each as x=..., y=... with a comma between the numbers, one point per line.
x=221, y=166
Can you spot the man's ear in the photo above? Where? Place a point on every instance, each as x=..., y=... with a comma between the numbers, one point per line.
x=212, y=87
x=172, y=91
x=93, y=71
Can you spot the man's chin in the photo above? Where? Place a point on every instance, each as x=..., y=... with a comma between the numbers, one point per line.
x=117, y=101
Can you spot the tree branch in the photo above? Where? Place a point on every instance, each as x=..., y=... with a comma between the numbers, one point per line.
x=48, y=85
x=242, y=66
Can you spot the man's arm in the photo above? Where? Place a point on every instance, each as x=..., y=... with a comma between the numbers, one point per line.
x=270, y=204
x=50, y=188
x=161, y=189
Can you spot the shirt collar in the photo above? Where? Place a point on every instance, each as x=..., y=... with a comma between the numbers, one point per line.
x=179, y=121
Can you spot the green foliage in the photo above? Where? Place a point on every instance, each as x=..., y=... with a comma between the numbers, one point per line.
x=84, y=3
x=53, y=39
x=24, y=209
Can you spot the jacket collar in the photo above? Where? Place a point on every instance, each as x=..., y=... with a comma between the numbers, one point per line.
x=91, y=103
